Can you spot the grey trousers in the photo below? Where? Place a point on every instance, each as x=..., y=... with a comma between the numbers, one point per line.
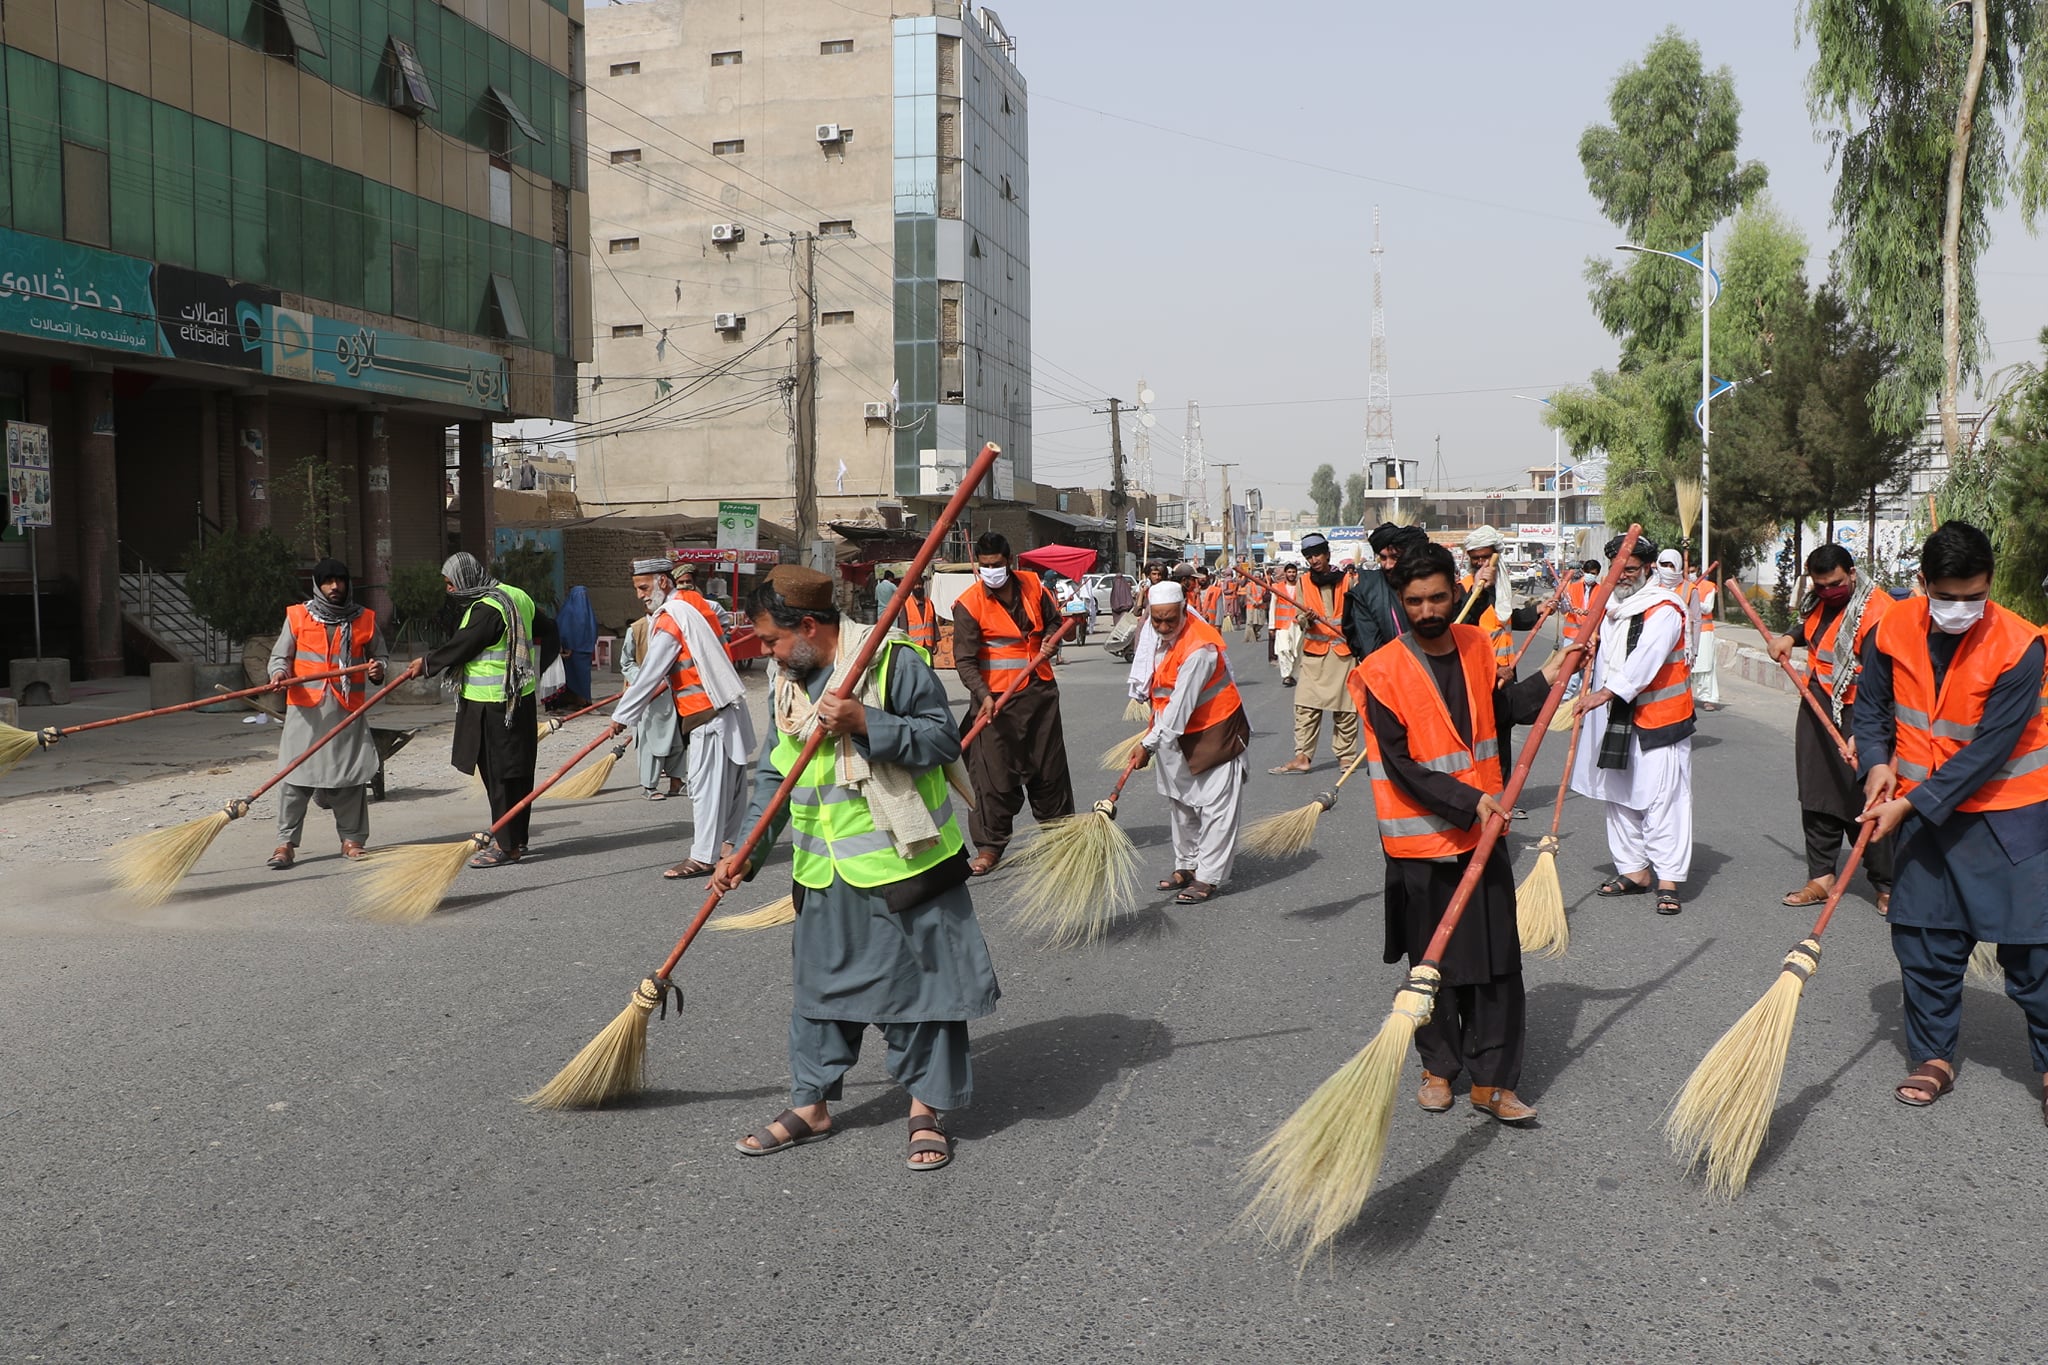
x=928, y=1059
x=351, y=806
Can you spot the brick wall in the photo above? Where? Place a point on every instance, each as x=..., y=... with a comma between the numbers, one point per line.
x=601, y=558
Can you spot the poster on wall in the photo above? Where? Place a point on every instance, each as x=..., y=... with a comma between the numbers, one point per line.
x=211, y=319
x=28, y=475
x=739, y=528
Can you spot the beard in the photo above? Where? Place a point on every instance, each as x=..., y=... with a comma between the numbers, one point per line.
x=1324, y=577
x=1433, y=628
x=803, y=659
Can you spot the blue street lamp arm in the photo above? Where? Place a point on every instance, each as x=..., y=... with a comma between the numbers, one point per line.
x=1721, y=386
x=1691, y=256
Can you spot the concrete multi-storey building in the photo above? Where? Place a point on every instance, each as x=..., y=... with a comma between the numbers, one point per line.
x=736, y=139
x=250, y=248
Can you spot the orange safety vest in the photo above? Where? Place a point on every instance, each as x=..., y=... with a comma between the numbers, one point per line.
x=685, y=684
x=1396, y=675
x=921, y=623
x=1820, y=648
x=1578, y=595
x=1218, y=699
x=1318, y=638
x=1698, y=591
x=1283, y=608
x=313, y=647
x=1663, y=710
x=1003, y=650
x=1489, y=621
x=1932, y=727
x=1212, y=596
x=704, y=609
x=1256, y=595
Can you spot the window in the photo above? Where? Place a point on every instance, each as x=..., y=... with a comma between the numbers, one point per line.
x=837, y=227
x=625, y=68
x=726, y=58
x=841, y=319
x=625, y=155
x=835, y=47
x=288, y=30
x=88, y=215
x=618, y=244
x=405, y=281
x=631, y=329
x=410, y=91
x=730, y=147
x=506, y=119
x=500, y=176
x=507, y=320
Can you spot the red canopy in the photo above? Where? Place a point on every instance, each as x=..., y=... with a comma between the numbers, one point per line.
x=1068, y=561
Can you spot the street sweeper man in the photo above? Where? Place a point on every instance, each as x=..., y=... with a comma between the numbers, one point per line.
x=1198, y=737
x=999, y=625
x=1953, y=737
x=885, y=931
x=686, y=670
x=1635, y=746
x=1325, y=658
x=328, y=631
x=1434, y=709
x=501, y=645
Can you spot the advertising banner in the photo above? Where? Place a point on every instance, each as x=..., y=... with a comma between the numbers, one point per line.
x=28, y=475
x=210, y=319
x=62, y=292
x=321, y=350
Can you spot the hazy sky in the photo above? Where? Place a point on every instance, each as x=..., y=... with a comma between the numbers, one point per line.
x=1244, y=282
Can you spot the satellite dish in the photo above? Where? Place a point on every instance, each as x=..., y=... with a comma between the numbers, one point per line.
x=1146, y=419
x=1147, y=397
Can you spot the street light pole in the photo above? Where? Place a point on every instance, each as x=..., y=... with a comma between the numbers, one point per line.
x=1702, y=260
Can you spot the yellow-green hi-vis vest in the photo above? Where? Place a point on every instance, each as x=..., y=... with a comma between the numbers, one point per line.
x=483, y=678
x=831, y=829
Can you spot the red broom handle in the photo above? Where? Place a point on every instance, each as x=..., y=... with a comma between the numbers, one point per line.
x=1016, y=684
x=1805, y=692
x=1564, y=782
x=1827, y=912
x=552, y=778
x=1490, y=835
x=1116, y=793
x=557, y=722
x=386, y=690
x=209, y=701
x=1541, y=617
x=1325, y=622
x=926, y=553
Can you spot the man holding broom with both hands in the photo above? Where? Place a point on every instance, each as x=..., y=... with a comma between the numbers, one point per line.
x=885, y=931
x=1198, y=736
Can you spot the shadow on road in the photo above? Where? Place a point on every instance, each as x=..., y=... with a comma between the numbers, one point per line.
x=1395, y=1218
x=1554, y=1010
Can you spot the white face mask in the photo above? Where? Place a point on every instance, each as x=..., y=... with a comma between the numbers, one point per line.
x=996, y=577
x=1668, y=577
x=1953, y=618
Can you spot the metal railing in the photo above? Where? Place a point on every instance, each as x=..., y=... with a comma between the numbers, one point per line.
x=157, y=602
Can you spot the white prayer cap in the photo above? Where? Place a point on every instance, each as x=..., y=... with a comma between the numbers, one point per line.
x=1485, y=538
x=647, y=566
x=1162, y=593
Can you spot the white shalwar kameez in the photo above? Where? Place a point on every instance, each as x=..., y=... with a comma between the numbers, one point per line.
x=1649, y=803
x=719, y=748
x=1205, y=809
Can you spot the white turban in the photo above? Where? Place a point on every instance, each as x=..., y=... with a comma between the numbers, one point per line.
x=1485, y=538
x=1163, y=593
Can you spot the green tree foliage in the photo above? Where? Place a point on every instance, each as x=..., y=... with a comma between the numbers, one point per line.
x=418, y=596
x=1328, y=496
x=532, y=569
x=241, y=584
x=2018, y=456
x=1354, y=498
x=1885, y=90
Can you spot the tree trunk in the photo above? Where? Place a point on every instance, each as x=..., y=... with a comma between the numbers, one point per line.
x=1952, y=230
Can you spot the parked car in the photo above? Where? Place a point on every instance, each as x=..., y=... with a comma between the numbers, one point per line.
x=1098, y=588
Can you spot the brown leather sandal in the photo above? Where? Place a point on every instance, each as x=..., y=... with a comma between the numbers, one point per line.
x=1196, y=893
x=983, y=862
x=942, y=1144
x=1813, y=893
x=1182, y=876
x=687, y=869
x=1932, y=1079
x=792, y=1123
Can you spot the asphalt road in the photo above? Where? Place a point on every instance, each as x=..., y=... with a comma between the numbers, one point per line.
x=247, y=1127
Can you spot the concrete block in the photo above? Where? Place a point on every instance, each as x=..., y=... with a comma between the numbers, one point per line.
x=40, y=682
x=171, y=684
x=209, y=678
x=10, y=712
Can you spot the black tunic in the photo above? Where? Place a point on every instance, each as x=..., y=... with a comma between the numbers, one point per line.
x=1486, y=944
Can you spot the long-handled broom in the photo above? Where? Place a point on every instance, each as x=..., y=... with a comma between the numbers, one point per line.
x=1724, y=1111
x=554, y=723
x=1317, y=1169
x=1291, y=833
x=1847, y=750
x=1080, y=874
x=1539, y=901
x=17, y=744
x=1688, y=496
x=1541, y=616
x=783, y=909
x=613, y=1064
x=591, y=780
x=151, y=865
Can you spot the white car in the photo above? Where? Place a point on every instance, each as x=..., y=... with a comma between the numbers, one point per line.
x=1099, y=587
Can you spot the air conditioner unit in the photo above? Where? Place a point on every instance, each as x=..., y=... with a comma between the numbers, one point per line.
x=829, y=133
x=727, y=232
x=729, y=322
x=875, y=412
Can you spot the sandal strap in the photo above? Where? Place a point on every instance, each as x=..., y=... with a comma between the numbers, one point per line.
x=792, y=1123
x=922, y=1145
x=925, y=1123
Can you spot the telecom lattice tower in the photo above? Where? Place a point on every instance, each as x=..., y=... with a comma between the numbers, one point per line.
x=1379, y=402
x=1194, y=471
x=1141, y=440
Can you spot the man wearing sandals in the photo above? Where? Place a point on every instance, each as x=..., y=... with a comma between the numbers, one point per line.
x=1199, y=733
x=885, y=931
x=1951, y=727
x=1635, y=748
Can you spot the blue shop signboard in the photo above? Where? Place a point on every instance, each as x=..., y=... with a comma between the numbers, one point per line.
x=351, y=355
x=64, y=292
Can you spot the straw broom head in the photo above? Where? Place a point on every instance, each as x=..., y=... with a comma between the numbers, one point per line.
x=1287, y=835
x=546, y=728
x=1721, y=1116
x=1688, y=504
x=1984, y=965
x=1560, y=722
x=1137, y=712
x=613, y=1065
x=1118, y=756
x=150, y=866
x=1317, y=1169
x=767, y=917
x=1539, y=905
x=403, y=885
x=1077, y=877
x=15, y=745
x=587, y=783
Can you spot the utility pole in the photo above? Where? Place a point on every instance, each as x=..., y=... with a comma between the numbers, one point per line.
x=803, y=387
x=1119, y=539
x=1229, y=522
